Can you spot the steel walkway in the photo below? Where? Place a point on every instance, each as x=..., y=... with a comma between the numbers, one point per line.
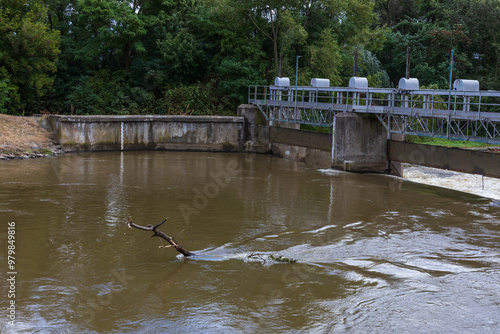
x=458, y=115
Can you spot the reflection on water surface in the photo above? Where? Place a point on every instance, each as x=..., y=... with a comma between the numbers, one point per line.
x=375, y=253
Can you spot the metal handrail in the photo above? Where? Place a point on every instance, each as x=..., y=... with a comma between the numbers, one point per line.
x=427, y=107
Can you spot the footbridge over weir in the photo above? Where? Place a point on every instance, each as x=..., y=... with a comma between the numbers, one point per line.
x=369, y=123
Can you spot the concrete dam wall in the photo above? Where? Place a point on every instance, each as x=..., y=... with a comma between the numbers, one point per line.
x=104, y=133
x=249, y=132
x=358, y=143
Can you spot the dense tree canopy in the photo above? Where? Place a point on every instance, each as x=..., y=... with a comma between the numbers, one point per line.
x=28, y=50
x=200, y=56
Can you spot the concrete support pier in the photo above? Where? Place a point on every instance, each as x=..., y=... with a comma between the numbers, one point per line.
x=256, y=130
x=359, y=143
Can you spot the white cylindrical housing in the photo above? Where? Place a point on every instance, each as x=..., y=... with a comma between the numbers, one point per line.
x=463, y=85
x=282, y=81
x=409, y=84
x=358, y=82
x=318, y=82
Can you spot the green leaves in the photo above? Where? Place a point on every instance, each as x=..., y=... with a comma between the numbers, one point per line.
x=184, y=53
x=200, y=56
x=108, y=32
x=29, y=49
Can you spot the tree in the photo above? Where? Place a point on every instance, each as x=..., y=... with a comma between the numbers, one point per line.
x=479, y=21
x=108, y=33
x=470, y=27
x=28, y=53
x=391, y=12
x=300, y=27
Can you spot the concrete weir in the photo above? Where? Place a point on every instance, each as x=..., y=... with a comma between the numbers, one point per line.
x=104, y=133
x=358, y=142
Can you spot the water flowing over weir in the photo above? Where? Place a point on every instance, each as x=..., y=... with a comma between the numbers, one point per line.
x=375, y=253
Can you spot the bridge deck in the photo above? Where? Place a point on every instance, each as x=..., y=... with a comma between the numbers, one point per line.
x=473, y=116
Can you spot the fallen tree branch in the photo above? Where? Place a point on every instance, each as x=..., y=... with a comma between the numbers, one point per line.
x=162, y=235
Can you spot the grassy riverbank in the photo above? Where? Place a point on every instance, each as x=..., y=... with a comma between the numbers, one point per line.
x=448, y=143
x=22, y=137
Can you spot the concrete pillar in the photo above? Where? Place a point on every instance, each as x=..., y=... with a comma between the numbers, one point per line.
x=256, y=130
x=359, y=143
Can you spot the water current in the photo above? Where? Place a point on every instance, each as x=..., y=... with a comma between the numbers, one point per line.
x=375, y=254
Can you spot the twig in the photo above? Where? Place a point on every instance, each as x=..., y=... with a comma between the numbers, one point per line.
x=162, y=235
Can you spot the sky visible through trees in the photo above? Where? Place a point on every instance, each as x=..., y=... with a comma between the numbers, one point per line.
x=198, y=57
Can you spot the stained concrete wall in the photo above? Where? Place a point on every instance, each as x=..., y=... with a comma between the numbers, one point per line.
x=311, y=148
x=102, y=133
x=284, y=140
x=256, y=129
x=359, y=143
x=457, y=159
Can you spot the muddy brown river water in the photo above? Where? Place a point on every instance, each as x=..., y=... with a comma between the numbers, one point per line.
x=375, y=254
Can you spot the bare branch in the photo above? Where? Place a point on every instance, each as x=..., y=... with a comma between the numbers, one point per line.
x=257, y=26
x=162, y=235
x=164, y=220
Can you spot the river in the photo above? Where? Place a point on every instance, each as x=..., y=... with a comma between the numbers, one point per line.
x=374, y=253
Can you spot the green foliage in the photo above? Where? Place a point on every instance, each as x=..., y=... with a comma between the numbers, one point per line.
x=326, y=59
x=198, y=57
x=314, y=128
x=185, y=55
x=5, y=92
x=28, y=51
x=196, y=99
x=445, y=142
x=432, y=29
x=107, y=33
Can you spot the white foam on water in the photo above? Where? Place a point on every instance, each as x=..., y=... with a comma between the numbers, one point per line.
x=332, y=172
x=469, y=183
x=320, y=229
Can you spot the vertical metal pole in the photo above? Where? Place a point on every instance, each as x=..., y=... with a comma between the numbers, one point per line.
x=408, y=49
x=449, y=97
x=296, y=84
x=355, y=70
x=281, y=60
x=451, y=74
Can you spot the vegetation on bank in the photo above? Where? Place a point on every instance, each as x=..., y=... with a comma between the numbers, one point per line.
x=199, y=56
x=446, y=142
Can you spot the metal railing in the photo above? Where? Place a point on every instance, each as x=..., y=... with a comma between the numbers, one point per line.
x=472, y=116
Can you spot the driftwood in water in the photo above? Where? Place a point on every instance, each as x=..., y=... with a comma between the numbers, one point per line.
x=162, y=235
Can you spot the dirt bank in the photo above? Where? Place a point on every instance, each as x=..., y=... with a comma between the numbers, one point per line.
x=22, y=137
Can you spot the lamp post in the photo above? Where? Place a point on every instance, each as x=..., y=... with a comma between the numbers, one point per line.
x=296, y=84
x=449, y=96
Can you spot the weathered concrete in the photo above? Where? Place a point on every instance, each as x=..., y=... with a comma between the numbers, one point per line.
x=284, y=141
x=311, y=148
x=256, y=130
x=102, y=133
x=321, y=141
x=310, y=156
x=359, y=143
x=460, y=160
